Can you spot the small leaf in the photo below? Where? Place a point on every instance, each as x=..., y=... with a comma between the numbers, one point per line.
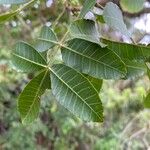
x=128, y=51
x=29, y=99
x=76, y=93
x=87, y=6
x=147, y=101
x=132, y=6
x=113, y=17
x=85, y=29
x=13, y=1
x=91, y=59
x=25, y=58
x=46, y=40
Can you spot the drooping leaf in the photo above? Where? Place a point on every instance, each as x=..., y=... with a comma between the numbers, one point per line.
x=25, y=58
x=134, y=68
x=93, y=60
x=87, y=6
x=113, y=17
x=132, y=6
x=13, y=1
x=85, y=29
x=147, y=101
x=46, y=40
x=128, y=51
x=76, y=93
x=29, y=99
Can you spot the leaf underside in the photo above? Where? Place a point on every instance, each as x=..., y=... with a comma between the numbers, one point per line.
x=113, y=17
x=76, y=93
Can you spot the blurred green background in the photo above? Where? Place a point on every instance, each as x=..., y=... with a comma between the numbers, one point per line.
x=127, y=123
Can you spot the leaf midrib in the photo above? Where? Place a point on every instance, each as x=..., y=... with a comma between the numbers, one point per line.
x=28, y=60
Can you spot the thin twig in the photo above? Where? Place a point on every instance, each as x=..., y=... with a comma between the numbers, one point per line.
x=100, y=6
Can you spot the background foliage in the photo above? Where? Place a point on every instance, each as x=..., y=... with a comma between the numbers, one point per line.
x=126, y=123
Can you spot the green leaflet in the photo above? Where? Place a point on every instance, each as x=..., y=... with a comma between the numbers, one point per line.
x=93, y=60
x=29, y=99
x=132, y=6
x=86, y=30
x=44, y=41
x=13, y=1
x=113, y=17
x=128, y=51
x=76, y=93
x=25, y=58
x=87, y=6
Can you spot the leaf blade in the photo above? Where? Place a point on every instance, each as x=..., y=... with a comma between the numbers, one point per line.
x=93, y=60
x=25, y=58
x=113, y=17
x=29, y=99
x=76, y=93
